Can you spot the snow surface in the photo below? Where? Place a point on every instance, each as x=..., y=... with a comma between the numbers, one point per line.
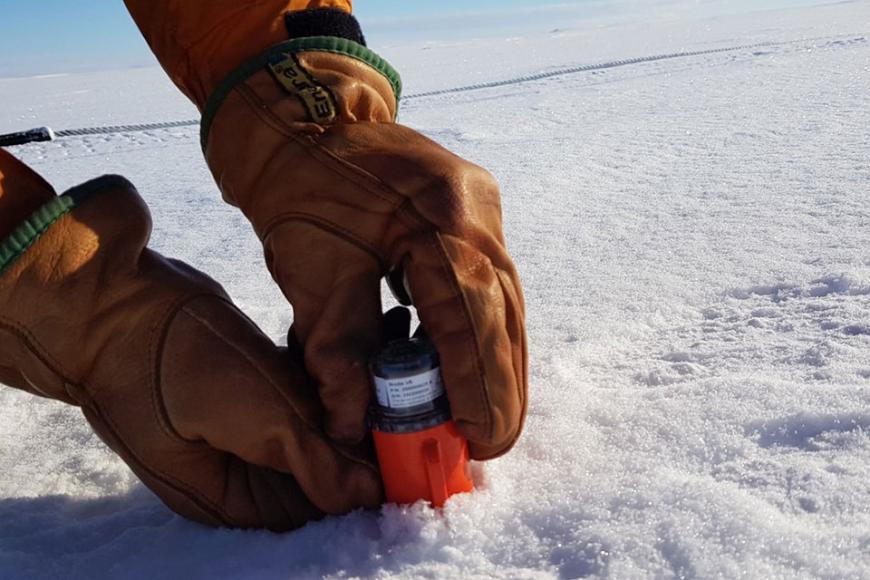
x=694, y=239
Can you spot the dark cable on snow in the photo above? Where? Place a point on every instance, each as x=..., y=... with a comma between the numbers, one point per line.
x=46, y=134
x=124, y=128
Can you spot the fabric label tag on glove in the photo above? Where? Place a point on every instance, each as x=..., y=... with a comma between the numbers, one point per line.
x=292, y=76
x=409, y=391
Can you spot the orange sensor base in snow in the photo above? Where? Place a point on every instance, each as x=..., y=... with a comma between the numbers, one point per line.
x=431, y=464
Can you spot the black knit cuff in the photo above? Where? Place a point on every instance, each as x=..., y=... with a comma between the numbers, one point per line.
x=323, y=22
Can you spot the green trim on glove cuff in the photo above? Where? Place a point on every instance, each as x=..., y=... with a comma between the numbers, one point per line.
x=31, y=229
x=26, y=234
x=278, y=52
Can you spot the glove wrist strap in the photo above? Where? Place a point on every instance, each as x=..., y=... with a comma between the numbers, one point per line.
x=279, y=52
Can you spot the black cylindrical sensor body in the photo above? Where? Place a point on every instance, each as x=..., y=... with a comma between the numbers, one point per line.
x=409, y=392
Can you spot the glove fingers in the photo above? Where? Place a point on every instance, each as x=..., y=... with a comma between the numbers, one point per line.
x=334, y=288
x=216, y=488
x=259, y=497
x=338, y=350
x=473, y=313
x=225, y=383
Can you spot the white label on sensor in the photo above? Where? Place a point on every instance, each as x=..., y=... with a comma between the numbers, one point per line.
x=409, y=391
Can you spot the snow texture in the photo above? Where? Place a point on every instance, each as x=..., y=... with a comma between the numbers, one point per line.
x=694, y=239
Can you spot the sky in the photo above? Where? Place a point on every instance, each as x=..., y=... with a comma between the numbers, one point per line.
x=71, y=36
x=52, y=36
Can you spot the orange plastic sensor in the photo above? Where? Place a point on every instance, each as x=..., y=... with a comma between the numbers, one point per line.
x=421, y=454
x=430, y=464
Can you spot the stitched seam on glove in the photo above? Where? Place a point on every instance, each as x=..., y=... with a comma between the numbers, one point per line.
x=358, y=176
x=311, y=428
x=37, y=350
x=505, y=283
x=158, y=345
x=329, y=44
x=202, y=501
x=329, y=227
x=354, y=173
x=450, y=276
x=265, y=114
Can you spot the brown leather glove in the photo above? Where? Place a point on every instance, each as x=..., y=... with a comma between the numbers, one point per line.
x=200, y=404
x=302, y=138
x=339, y=204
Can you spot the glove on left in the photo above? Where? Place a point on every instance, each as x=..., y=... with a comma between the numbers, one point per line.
x=173, y=377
